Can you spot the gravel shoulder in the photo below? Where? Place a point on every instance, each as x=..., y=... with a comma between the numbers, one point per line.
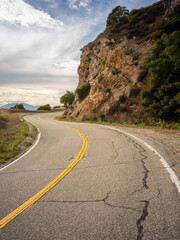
x=166, y=141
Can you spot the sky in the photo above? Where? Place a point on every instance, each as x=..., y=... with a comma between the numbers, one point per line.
x=40, y=42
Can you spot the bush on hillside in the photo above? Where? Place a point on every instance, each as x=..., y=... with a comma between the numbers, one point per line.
x=83, y=91
x=46, y=107
x=162, y=98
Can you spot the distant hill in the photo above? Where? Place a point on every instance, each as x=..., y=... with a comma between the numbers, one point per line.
x=26, y=106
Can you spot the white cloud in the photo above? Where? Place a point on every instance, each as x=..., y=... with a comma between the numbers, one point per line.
x=39, y=55
x=39, y=51
x=19, y=12
x=75, y=4
x=33, y=96
x=45, y=53
x=84, y=3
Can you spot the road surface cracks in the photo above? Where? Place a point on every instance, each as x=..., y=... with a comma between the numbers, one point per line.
x=143, y=154
x=139, y=223
x=105, y=200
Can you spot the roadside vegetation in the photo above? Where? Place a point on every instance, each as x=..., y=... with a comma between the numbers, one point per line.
x=162, y=98
x=57, y=107
x=67, y=99
x=14, y=136
x=46, y=107
x=155, y=125
x=83, y=91
x=18, y=106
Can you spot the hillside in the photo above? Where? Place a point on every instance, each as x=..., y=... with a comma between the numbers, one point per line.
x=26, y=106
x=113, y=66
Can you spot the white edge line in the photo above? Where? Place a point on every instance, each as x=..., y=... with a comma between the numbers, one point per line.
x=172, y=174
x=30, y=149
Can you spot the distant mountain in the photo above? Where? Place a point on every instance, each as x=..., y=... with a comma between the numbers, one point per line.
x=26, y=106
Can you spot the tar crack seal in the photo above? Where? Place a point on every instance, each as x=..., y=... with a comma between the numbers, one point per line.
x=141, y=219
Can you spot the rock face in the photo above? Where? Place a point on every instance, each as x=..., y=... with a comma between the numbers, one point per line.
x=170, y=6
x=114, y=79
x=112, y=66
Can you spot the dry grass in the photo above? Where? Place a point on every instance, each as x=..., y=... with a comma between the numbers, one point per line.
x=12, y=132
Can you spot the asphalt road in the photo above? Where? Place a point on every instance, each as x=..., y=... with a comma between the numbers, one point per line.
x=118, y=190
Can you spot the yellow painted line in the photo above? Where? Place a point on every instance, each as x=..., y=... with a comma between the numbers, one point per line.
x=38, y=195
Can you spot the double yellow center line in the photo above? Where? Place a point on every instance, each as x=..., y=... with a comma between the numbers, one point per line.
x=38, y=195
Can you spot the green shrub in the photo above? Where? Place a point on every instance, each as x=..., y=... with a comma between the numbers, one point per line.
x=67, y=99
x=116, y=14
x=134, y=91
x=136, y=63
x=172, y=24
x=95, y=75
x=83, y=91
x=154, y=52
x=132, y=19
x=142, y=75
x=114, y=108
x=18, y=106
x=136, y=56
x=122, y=99
x=46, y=107
x=162, y=99
x=102, y=116
x=114, y=71
x=131, y=50
x=78, y=112
x=123, y=109
x=55, y=107
x=155, y=35
x=103, y=62
x=107, y=90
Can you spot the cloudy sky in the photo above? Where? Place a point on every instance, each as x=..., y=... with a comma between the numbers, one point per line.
x=40, y=43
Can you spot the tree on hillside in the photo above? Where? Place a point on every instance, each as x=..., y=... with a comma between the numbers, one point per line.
x=116, y=14
x=18, y=106
x=67, y=99
x=46, y=107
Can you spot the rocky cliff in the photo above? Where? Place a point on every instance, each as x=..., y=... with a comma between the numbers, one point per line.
x=112, y=64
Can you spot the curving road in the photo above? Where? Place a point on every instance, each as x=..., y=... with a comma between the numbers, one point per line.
x=119, y=189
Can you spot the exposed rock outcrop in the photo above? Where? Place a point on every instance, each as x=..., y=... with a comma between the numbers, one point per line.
x=112, y=66
x=170, y=6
